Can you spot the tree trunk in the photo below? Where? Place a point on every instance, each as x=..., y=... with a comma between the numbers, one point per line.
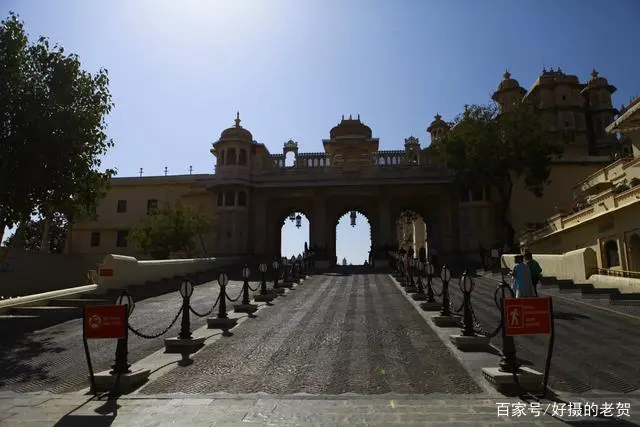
x=45, y=242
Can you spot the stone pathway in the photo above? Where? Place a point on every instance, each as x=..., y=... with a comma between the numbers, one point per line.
x=215, y=410
x=331, y=335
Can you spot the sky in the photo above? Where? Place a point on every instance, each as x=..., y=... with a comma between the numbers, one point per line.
x=179, y=70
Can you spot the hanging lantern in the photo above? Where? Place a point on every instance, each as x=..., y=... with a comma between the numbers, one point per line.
x=353, y=218
x=298, y=221
x=292, y=216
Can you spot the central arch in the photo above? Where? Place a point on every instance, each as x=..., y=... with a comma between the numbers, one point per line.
x=352, y=245
x=337, y=208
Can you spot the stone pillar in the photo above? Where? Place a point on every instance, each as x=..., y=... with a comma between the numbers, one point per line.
x=318, y=227
x=260, y=225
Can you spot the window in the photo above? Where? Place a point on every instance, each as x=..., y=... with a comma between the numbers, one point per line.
x=222, y=157
x=152, y=206
x=612, y=257
x=122, y=206
x=95, y=239
x=242, y=198
x=231, y=156
x=220, y=198
x=229, y=198
x=243, y=157
x=121, y=238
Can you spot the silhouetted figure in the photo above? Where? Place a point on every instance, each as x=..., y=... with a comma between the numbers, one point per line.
x=422, y=254
x=411, y=252
x=483, y=256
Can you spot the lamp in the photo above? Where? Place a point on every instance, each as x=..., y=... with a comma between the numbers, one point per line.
x=430, y=269
x=353, y=218
x=186, y=289
x=292, y=216
x=466, y=284
x=223, y=279
x=246, y=272
x=298, y=221
x=262, y=268
x=445, y=274
x=125, y=299
x=275, y=265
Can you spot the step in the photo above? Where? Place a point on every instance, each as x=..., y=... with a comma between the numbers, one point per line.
x=626, y=299
x=590, y=292
x=80, y=302
x=46, y=310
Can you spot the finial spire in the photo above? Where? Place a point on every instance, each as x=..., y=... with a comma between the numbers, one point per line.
x=506, y=75
x=358, y=117
x=350, y=118
x=437, y=116
x=594, y=73
x=237, y=119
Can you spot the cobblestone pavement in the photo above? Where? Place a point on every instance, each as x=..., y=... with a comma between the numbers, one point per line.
x=53, y=359
x=594, y=349
x=332, y=335
x=251, y=410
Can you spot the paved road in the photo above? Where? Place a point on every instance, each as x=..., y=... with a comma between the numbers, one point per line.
x=53, y=359
x=334, y=334
x=594, y=348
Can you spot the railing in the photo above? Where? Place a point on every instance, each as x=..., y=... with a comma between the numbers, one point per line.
x=616, y=273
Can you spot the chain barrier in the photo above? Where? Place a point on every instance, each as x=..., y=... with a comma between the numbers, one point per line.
x=192, y=310
x=436, y=293
x=233, y=299
x=256, y=289
x=459, y=309
x=154, y=336
x=476, y=323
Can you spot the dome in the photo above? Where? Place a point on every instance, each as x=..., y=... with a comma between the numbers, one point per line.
x=599, y=82
x=350, y=127
x=437, y=123
x=237, y=132
x=508, y=83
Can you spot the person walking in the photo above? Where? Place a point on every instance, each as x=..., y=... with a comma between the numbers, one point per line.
x=522, y=285
x=422, y=254
x=483, y=256
x=534, y=269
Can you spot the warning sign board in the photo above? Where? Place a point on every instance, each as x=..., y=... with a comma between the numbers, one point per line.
x=106, y=272
x=527, y=316
x=105, y=321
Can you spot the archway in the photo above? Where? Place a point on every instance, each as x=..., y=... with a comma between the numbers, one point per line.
x=412, y=235
x=353, y=239
x=634, y=252
x=295, y=233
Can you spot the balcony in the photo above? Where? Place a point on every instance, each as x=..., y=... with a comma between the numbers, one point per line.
x=607, y=177
x=599, y=205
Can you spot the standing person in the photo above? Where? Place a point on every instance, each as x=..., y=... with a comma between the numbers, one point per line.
x=522, y=285
x=434, y=260
x=534, y=269
x=411, y=252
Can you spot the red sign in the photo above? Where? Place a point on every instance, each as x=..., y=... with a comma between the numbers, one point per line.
x=106, y=272
x=105, y=321
x=527, y=316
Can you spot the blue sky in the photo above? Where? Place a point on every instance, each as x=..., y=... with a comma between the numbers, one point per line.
x=180, y=70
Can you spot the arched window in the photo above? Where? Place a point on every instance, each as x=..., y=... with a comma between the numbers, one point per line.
x=221, y=157
x=242, y=198
x=231, y=156
x=229, y=198
x=220, y=198
x=243, y=157
x=611, y=254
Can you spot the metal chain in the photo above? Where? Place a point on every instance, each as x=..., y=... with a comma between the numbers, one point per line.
x=154, y=336
x=191, y=309
x=478, y=326
x=234, y=299
x=436, y=293
x=257, y=287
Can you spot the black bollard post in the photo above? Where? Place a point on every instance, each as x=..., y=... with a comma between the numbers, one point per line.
x=245, y=285
x=121, y=364
x=222, y=308
x=466, y=286
x=508, y=362
x=275, y=266
x=430, y=295
x=263, y=285
x=186, y=290
x=420, y=290
x=445, y=275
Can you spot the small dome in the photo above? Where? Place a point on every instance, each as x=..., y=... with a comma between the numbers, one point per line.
x=598, y=82
x=437, y=123
x=350, y=127
x=237, y=132
x=508, y=83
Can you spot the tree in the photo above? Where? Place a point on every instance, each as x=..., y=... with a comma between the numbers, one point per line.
x=173, y=228
x=52, y=130
x=33, y=234
x=484, y=148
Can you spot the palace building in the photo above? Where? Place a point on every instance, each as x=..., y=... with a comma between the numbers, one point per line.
x=253, y=191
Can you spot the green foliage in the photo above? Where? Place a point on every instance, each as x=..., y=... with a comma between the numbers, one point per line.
x=52, y=132
x=634, y=182
x=484, y=148
x=171, y=228
x=33, y=230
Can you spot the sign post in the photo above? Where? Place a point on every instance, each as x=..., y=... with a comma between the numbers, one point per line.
x=531, y=316
x=102, y=322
